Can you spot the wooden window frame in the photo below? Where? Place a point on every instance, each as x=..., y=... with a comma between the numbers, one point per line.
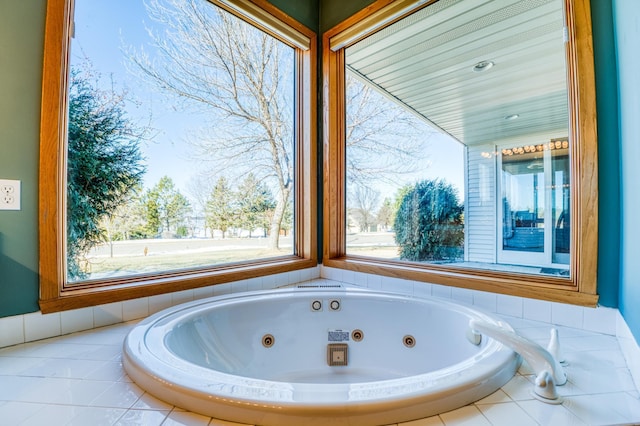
x=580, y=288
x=55, y=294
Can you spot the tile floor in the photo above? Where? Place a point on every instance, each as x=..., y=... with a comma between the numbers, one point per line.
x=78, y=379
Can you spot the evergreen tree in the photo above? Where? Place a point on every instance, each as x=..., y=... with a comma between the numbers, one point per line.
x=255, y=202
x=429, y=223
x=221, y=211
x=104, y=164
x=167, y=208
x=386, y=214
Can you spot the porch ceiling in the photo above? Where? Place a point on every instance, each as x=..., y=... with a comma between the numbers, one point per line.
x=426, y=62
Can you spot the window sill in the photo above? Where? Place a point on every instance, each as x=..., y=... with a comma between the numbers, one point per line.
x=81, y=296
x=551, y=289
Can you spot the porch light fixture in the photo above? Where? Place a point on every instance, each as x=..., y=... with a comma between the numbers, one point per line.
x=483, y=66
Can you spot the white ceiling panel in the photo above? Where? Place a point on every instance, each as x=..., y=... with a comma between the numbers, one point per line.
x=426, y=61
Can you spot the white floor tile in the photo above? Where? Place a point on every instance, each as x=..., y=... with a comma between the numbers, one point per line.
x=628, y=406
x=518, y=388
x=118, y=395
x=549, y=414
x=185, y=418
x=142, y=417
x=15, y=365
x=465, y=416
x=595, y=409
x=150, y=402
x=17, y=388
x=63, y=368
x=506, y=414
x=49, y=414
x=66, y=391
x=589, y=343
x=96, y=416
x=107, y=370
x=14, y=413
x=495, y=398
x=602, y=381
x=601, y=359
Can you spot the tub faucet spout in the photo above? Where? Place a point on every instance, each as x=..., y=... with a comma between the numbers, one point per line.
x=549, y=372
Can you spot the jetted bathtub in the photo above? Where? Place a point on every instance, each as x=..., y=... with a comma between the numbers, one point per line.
x=314, y=355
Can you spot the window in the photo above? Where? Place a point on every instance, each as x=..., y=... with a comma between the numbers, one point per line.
x=462, y=146
x=177, y=148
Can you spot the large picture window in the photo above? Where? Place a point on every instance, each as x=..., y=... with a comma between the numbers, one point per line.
x=177, y=147
x=462, y=146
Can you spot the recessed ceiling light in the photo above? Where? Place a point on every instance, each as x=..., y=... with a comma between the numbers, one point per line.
x=511, y=117
x=482, y=66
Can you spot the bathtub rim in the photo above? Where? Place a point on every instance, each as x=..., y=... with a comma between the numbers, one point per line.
x=252, y=397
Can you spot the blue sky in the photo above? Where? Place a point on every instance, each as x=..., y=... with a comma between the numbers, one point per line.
x=105, y=27
x=101, y=32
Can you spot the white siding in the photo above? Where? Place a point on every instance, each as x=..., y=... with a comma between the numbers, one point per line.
x=480, y=202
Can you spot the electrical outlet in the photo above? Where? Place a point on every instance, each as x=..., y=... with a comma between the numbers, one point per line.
x=9, y=194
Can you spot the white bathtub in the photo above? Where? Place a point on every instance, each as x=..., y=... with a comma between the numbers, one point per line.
x=262, y=357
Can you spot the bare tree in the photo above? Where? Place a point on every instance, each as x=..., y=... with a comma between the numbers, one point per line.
x=364, y=202
x=242, y=77
x=383, y=139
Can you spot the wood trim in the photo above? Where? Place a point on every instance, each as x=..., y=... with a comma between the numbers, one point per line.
x=586, y=158
x=268, y=18
x=54, y=295
x=334, y=130
x=52, y=129
x=101, y=294
x=510, y=284
x=381, y=15
x=581, y=287
x=306, y=190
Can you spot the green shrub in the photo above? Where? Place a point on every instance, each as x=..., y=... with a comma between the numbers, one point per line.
x=429, y=223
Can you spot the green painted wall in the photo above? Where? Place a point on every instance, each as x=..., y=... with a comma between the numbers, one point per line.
x=608, y=153
x=332, y=12
x=305, y=12
x=21, y=40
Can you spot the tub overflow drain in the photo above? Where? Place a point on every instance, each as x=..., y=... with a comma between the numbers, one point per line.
x=268, y=340
x=409, y=341
x=357, y=335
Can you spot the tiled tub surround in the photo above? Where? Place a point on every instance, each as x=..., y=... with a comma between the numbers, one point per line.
x=78, y=378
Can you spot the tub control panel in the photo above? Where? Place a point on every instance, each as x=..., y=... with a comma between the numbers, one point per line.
x=337, y=354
